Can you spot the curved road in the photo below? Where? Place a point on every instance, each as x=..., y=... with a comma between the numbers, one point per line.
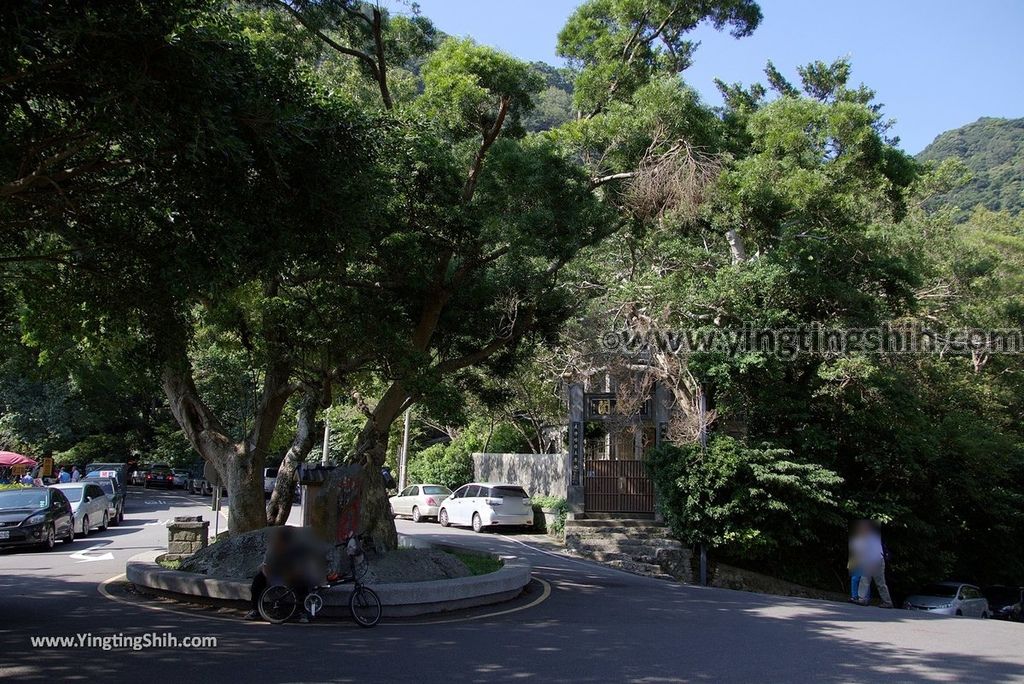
x=597, y=625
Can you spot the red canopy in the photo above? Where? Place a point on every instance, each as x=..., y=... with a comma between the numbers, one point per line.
x=9, y=458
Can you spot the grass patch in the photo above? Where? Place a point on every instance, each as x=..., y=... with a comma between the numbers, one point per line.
x=174, y=564
x=477, y=564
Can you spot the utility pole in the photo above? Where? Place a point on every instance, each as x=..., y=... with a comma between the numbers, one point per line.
x=327, y=439
x=403, y=457
x=702, y=408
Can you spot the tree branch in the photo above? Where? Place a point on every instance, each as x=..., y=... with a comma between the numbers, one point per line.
x=478, y=159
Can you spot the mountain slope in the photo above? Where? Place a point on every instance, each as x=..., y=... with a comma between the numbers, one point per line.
x=993, y=149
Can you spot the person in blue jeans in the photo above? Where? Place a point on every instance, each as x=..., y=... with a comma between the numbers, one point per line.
x=853, y=567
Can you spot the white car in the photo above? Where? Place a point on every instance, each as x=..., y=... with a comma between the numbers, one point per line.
x=419, y=501
x=484, y=504
x=949, y=598
x=90, y=505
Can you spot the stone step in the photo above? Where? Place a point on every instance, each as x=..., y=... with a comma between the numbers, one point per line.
x=632, y=532
x=614, y=522
x=627, y=537
x=638, y=568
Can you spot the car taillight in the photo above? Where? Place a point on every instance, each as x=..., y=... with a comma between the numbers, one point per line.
x=431, y=501
x=149, y=477
x=170, y=477
x=493, y=501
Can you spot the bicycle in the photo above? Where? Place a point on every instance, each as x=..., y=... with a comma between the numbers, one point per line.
x=279, y=602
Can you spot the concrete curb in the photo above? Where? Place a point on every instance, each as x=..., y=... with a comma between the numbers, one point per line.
x=401, y=599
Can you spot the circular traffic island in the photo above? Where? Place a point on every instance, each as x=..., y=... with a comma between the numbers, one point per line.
x=418, y=578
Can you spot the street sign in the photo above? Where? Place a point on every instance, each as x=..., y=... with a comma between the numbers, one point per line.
x=211, y=475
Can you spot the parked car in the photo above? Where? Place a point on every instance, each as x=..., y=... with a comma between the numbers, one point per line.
x=180, y=477
x=269, y=478
x=89, y=504
x=120, y=493
x=483, y=504
x=139, y=474
x=116, y=509
x=419, y=501
x=159, y=475
x=949, y=598
x=118, y=472
x=35, y=516
x=1005, y=603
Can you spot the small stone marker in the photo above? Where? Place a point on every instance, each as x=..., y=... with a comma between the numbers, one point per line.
x=186, y=534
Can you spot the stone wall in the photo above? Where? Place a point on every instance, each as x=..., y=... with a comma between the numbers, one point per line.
x=187, y=534
x=538, y=474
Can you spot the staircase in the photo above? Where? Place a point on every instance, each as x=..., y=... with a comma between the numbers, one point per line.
x=642, y=547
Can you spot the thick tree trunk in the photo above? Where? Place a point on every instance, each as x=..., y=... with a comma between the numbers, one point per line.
x=371, y=449
x=244, y=481
x=287, y=474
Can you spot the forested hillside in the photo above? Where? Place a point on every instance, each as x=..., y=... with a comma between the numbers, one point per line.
x=992, y=149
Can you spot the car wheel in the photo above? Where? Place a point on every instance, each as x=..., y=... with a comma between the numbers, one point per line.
x=71, y=533
x=120, y=516
x=478, y=524
x=50, y=538
x=106, y=522
x=85, y=526
x=959, y=613
x=442, y=518
x=145, y=485
x=416, y=514
x=984, y=615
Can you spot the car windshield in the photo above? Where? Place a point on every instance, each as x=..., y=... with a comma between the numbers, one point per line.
x=436, y=489
x=940, y=590
x=23, y=498
x=511, y=492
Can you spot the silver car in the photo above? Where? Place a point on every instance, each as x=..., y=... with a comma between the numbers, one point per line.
x=419, y=501
x=949, y=598
x=90, y=505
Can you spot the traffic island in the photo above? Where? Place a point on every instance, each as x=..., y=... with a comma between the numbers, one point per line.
x=399, y=599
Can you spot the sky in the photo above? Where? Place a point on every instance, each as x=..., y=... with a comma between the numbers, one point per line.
x=934, y=64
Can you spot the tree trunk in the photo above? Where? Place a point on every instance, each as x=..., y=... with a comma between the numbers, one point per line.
x=246, y=511
x=281, y=498
x=371, y=450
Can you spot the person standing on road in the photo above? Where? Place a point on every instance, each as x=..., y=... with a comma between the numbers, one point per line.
x=852, y=566
x=75, y=474
x=870, y=558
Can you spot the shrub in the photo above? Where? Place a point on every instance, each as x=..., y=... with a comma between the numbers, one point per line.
x=749, y=500
x=552, y=503
x=443, y=464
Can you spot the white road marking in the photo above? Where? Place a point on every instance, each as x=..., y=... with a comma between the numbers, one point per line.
x=84, y=557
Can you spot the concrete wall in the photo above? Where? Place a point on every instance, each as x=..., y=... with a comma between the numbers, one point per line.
x=538, y=474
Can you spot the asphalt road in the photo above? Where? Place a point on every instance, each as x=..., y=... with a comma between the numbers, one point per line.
x=596, y=625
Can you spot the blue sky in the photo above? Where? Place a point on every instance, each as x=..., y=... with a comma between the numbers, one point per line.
x=934, y=64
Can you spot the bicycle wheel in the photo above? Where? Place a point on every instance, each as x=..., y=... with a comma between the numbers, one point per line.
x=365, y=606
x=277, y=604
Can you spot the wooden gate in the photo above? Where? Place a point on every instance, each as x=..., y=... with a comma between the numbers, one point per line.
x=617, y=487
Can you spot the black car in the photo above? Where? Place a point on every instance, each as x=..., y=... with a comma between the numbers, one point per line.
x=159, y=477
x=35, y=516
x=1005, y=603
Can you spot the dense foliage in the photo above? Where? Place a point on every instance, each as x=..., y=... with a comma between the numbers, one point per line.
x=223, y=222
x=992, y=151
